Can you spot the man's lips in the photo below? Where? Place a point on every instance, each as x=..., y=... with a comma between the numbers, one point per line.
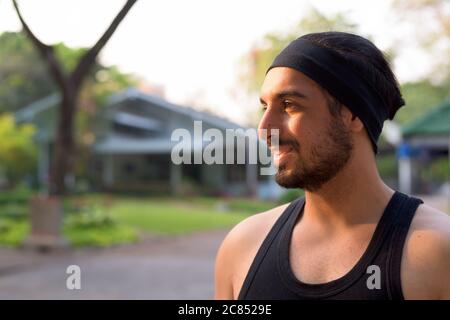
x=281, y=153
x=281, y=149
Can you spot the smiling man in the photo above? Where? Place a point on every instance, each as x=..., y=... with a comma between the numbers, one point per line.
x=350, y=236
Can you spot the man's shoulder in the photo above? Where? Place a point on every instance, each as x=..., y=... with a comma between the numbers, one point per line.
x=430, y=216
x=426, y=258
x=238, y=250
x=253, y=229
x=430, y=226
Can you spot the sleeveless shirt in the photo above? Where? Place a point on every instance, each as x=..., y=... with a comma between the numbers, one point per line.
x=270, y=276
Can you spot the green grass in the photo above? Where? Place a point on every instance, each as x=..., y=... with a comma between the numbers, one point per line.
x=178, y=217
x=239, y=205
x=101, y=220
x=165, y=215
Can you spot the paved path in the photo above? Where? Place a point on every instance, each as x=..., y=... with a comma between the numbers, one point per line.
x=157, y=268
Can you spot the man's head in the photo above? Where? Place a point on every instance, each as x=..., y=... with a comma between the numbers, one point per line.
x=327, y=94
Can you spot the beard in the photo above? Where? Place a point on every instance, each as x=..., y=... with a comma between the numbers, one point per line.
x=325, y=161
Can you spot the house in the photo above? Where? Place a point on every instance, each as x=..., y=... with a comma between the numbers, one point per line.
x=133, y=148
x=424, y=140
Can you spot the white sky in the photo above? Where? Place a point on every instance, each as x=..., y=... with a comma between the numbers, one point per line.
x=193, y=47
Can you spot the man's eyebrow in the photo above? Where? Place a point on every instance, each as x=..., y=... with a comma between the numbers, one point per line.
x=285, y=94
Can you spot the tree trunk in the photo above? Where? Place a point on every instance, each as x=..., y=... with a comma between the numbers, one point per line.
x=64, y=143
x=69, y=86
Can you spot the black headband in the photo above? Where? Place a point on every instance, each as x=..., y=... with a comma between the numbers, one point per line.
x=340, y=79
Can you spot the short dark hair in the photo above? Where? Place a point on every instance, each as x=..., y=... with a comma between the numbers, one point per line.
x=367, y=60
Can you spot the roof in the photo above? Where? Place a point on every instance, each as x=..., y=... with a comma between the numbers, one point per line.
x=435, y=122
x=117, y=144
x=133, y=93
x=28, y=112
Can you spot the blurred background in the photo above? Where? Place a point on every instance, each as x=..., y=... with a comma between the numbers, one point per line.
x=90, y=92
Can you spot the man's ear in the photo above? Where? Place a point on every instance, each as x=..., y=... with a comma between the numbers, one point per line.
x=351, y=121
x=356, y=124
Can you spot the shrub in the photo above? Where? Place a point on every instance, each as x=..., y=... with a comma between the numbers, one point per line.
x=92, y=216
x=290, y=195
x=12, y=231
x=387, y=166
x=18, y=151
x=93, y=226
x=18, y=195
x=438, y=171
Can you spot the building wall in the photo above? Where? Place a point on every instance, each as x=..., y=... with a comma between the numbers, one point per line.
x=134, y=172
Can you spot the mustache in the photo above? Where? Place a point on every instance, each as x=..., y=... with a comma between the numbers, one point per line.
x=284, y=142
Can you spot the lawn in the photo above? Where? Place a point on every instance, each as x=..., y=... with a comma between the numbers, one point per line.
x=102, y=220
x=174, y=217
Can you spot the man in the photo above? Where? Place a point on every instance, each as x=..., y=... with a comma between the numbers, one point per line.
x=350, y=236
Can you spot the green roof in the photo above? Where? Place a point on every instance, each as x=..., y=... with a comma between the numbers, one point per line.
x=435, y=122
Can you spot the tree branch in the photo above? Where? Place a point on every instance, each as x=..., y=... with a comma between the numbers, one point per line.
x=44, y=50
x=89, y=57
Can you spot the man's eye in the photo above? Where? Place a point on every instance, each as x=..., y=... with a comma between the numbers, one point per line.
x=263, y=107
x=288, y=105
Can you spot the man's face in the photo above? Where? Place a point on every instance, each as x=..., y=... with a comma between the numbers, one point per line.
x=313, y=144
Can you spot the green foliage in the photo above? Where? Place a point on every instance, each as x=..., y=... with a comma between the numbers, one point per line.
x=24, y=77
x=421, y=97
x=69, y=57
x=93, y=216
x=14, y=210
x=13, y=231
x=249, y=206
x=387, y=166
x=99, y=221
x=16, y=196
x=100, y=237
x=17, y=150
x=93, y=226
x=438, y=171
x=109, y=80
x=290, y=195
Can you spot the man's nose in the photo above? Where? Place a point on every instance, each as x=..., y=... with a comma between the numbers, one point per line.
x=270, y=120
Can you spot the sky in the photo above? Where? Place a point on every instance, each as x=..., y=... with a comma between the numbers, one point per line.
x=194, y=48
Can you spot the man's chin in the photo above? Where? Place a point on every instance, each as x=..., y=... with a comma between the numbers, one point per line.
x=287, y=178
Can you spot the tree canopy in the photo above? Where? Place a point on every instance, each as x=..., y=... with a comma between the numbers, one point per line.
x=25, y=78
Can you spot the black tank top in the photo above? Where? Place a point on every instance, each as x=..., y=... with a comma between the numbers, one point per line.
x=270, y=276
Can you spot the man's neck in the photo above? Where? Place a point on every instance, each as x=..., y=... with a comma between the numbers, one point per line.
x=356, y=195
